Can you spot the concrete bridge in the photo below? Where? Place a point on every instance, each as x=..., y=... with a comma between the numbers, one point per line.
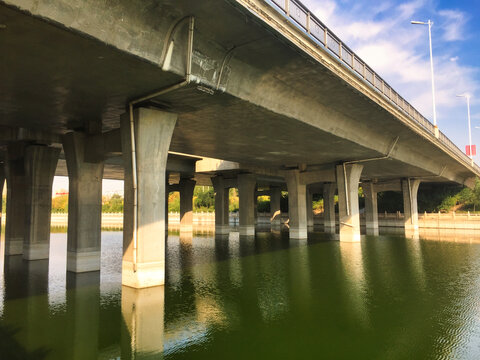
x=110, y=89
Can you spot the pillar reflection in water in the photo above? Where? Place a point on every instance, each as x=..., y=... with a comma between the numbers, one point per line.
x=26, y=302
x=83, y=312
x=355, y=282
x=143, y=315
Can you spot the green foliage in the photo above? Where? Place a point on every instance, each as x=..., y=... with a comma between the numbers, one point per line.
x=263, y=204
x=204, y=199
x=233, y=200
x=60, y=204
x=113, y=204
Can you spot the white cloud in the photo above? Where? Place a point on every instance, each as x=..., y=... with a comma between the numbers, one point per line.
x=452, y=24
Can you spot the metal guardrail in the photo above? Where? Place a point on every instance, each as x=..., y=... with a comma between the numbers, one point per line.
x=310, y=24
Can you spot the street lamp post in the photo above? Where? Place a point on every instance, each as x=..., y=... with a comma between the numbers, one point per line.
x=430, y=23
x=467, y=96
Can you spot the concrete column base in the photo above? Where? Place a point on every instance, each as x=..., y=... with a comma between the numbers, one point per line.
x=147, y=274
x=222, y=229
x=298, y=233
x=36, y=251
x=372, y=231
x=246, y=230
x=79, y=262
x=14, y=246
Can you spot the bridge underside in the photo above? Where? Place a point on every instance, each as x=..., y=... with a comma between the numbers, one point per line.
x=58, y=80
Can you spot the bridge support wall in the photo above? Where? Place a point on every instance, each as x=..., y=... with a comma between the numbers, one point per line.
x=246, y=193
x=309, y=208
x=371, y=208
x=40, y=165
x=329, y=207
x=187, y=187
x=84, y=204
x=276, y=213
x=410, y=207
x=16, y=196
x=348, y=178
x=297, y=207
x=143, y=262
x=222, y=226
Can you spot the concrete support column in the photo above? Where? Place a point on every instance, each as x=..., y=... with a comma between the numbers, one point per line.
x=297, y=205
x=329, y=207
x=371, y=208
x=187, y=186
x=246, y=192
x=167, y=195
x=222, y=226
x=410, y=209
x=348, y=178
x=144, y=254
x=309, y=201
x=40, y=166
x=84, y=204
x=275, y=212
x=16, y=193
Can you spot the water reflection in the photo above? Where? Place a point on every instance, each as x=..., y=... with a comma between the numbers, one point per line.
x=263, y=297
x=143, y=316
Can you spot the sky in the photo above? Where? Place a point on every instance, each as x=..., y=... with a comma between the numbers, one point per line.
x=381, y=34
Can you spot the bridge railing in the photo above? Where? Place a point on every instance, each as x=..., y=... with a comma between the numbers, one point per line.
x=310, y=24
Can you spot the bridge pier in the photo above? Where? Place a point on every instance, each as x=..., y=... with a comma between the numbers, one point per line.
x=187, y=187
x=222, y=226
x=246, y=193
x=84, y=203
x=276, y=213
x=40, y=165
x=348, y=178
x=309, y=208
x=410, y=206
x=16, y=197
x=371, y=208
x=329, y=207
x=143, y=262
x=297, y=207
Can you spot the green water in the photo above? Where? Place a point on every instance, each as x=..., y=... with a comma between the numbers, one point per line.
x=264, y=298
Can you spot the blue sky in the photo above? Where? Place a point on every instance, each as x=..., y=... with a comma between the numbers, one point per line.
x=381, y=33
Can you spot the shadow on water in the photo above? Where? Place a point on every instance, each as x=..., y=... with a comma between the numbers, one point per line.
x=262, y=297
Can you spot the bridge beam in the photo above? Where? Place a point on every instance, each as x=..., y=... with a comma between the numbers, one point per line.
x=221, y=205
x=348, y=178
x=329, y=207
x=40, y=165
x=297, y=205
x=246, y=192
x=371, y=208
x=410, y=206
x=143, y=262
x=187, y=187
x=84, y=204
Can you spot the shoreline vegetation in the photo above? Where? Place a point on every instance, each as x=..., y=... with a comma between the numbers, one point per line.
x=444, y=198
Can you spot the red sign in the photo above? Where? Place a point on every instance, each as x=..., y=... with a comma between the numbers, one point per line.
x=473, y=152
